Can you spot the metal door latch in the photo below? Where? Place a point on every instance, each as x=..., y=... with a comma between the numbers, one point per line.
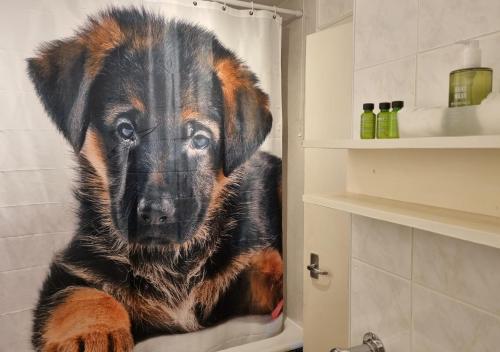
x=371, y=343
x=314, y=269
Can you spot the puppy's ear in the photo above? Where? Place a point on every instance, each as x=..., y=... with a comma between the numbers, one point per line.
x=64, y=70
x=247, y=119
x=58, y=73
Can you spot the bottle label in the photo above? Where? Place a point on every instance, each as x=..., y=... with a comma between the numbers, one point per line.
x=382, y=126
x=460, y=96
x=367, y=126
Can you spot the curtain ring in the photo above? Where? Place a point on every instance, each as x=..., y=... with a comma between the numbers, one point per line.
x=251, y=11
x=224, y=6
x=275, y=15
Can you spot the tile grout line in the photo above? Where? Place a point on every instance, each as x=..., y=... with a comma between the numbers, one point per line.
x=6, y=171
x=442, y=46
x=353, y=75
x=415, y=93
x=33, y=204
x=424, y=51
x=353, y=90
x=400, y=58
x=378, y=268
x=42, y=234
x=458, y=301
x=16, y=311
x=39, y=266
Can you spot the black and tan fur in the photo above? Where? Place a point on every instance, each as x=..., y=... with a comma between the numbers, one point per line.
x=180, y=214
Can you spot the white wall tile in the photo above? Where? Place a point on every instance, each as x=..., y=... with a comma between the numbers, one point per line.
x=380, y=303
x=23, y=111
x=455, y=305
x=391, y=81
x=460, y=269
x=329, y=11
x=13, y=70
x=434, y=69
x=15, y=332
x=382, y=244
x=37, y=219
x=384, y=30
x=19, y=288
x=13, y=33
x=36, y=186
x=444, y=22
x=40, y=149
x=28, y=251
x=490, y=50
x=446, y=325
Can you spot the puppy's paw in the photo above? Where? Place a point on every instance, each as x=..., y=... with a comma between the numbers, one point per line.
x=100, y=340
x=266, y=280
x=88, y=320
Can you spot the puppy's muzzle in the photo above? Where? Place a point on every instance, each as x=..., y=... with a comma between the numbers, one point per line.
x=156, y=210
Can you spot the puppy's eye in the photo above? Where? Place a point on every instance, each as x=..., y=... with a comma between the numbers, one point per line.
x=126, y=130
x=200, y=141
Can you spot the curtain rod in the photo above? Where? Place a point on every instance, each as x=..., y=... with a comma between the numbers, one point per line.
x=249, y=5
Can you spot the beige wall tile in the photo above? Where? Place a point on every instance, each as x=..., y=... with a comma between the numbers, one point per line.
x=446, y=325
x=41, y=149
x=380, y=303
x=28, y=251
x=37, y=219
x=15, y=331
x=384, y=30
x=329, y=11
x=19, y=288
x=434, y=68
x=466, y=271
x=382, y=244
x=36, y=186
x=390, y=81
x=443, y=22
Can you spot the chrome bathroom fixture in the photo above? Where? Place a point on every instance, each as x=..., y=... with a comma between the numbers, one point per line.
x=371, y=343
x=313, y=267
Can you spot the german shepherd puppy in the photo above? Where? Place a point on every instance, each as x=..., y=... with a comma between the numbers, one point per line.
x=179, y=213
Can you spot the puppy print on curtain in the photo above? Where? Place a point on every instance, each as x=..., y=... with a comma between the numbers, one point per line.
x=179, y=212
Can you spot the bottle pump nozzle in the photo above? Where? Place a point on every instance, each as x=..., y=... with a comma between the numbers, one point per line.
x=472, y=53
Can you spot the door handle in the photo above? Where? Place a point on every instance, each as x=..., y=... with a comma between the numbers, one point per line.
x=314, y=270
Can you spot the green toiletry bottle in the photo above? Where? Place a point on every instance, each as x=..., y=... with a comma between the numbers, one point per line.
x=471, y=84
x=383, y=120
x=392, y=124
x=368, y=122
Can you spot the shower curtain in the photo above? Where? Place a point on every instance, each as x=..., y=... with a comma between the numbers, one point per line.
x=140, y=174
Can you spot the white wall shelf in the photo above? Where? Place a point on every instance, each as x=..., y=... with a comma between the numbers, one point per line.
x=470, y=227
x=465, y=142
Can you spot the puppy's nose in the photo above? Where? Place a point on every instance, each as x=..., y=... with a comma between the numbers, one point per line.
x=155, y=211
